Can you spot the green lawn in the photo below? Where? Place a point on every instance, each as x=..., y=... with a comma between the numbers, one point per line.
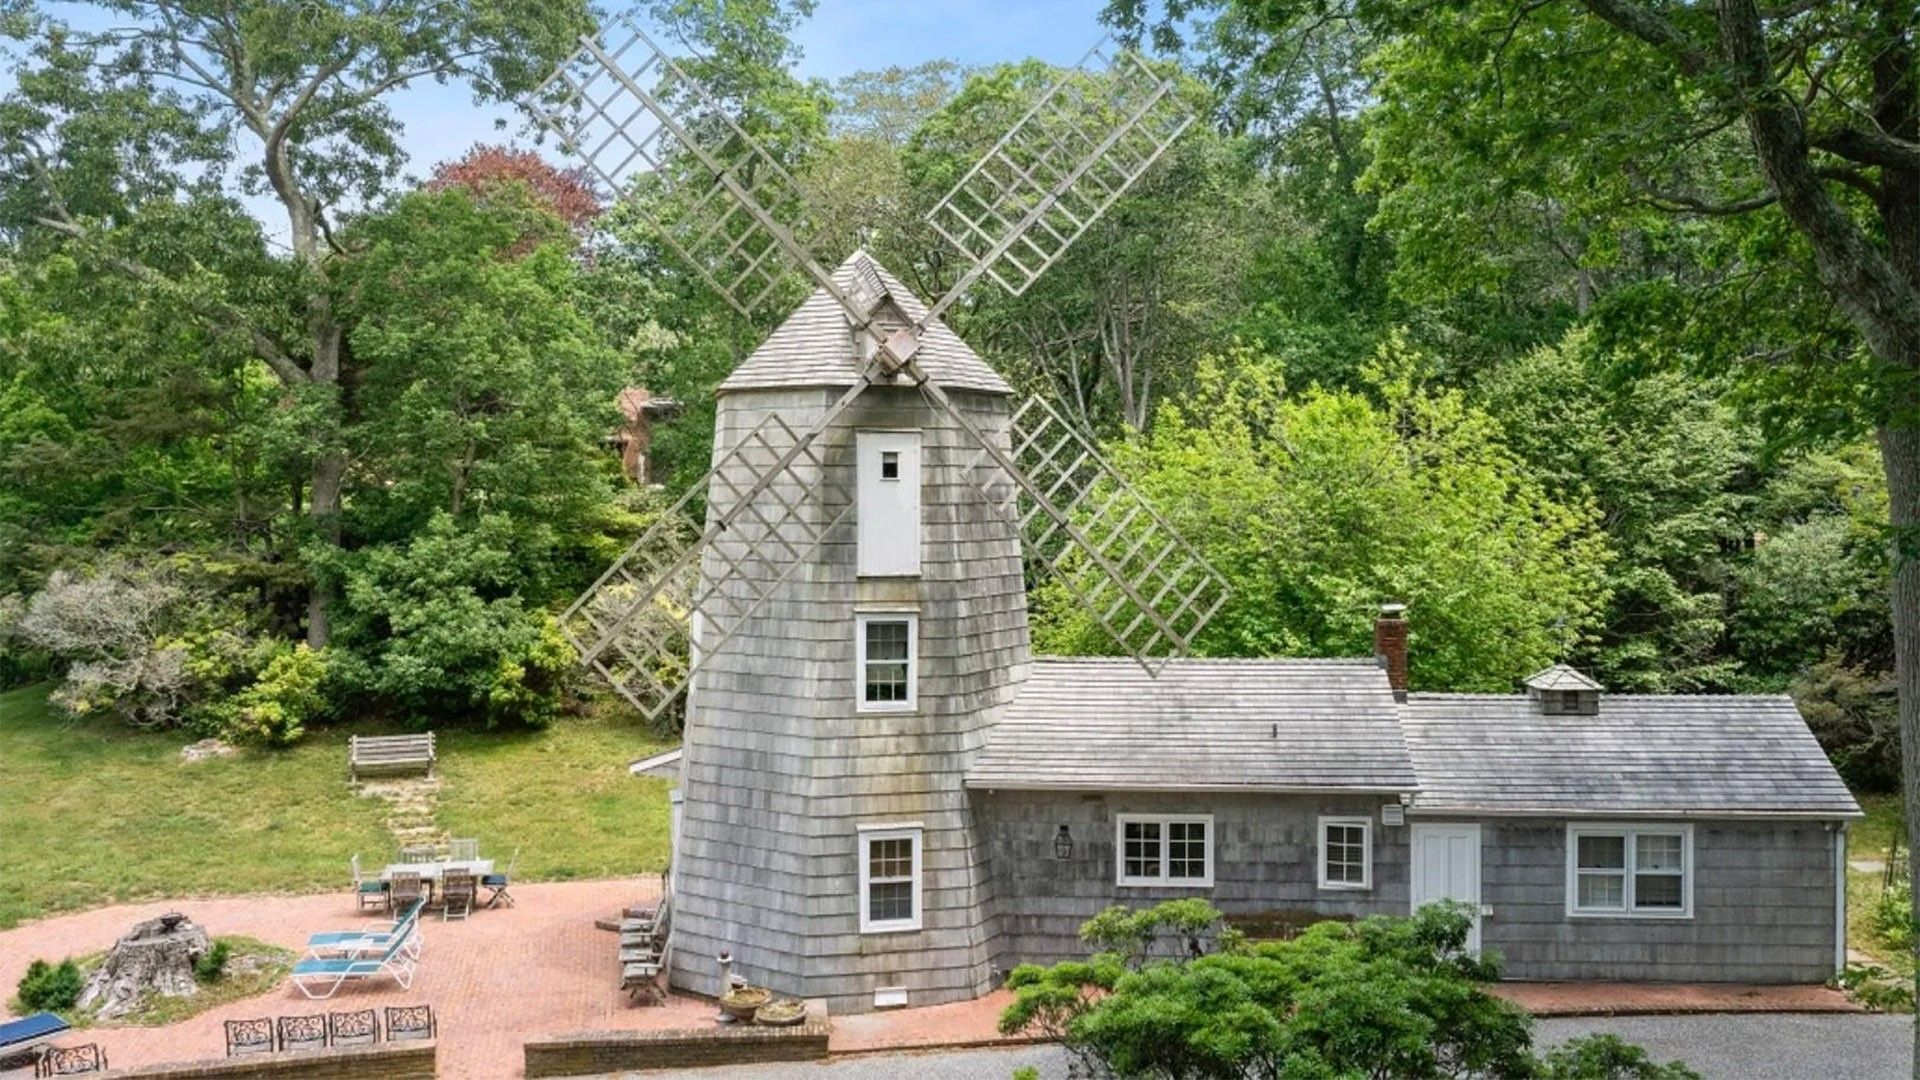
x=92, y=813
x=1871, y=839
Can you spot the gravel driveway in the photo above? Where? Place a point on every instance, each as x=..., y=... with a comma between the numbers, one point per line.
x=1719, y=1047
x=1761, y=1046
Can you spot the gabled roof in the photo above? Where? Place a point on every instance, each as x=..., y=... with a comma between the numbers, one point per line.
x=1645, y=755
x=1202, y=725
x=815, y=346
x=1561, y=677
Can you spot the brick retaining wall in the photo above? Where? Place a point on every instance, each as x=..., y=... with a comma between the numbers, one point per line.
x=587, y=1053
x=393, y=1061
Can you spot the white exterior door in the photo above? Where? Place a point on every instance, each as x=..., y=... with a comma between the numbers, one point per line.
x=1446, y=866
x=889, y=513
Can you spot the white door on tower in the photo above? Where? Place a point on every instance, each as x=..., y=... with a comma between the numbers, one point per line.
x=1446, y=866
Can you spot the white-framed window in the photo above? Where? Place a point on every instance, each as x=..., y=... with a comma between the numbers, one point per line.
x=1629, y=870
x=1164, y=849
x=889, y=878
x=1346, y=853
x=886, y=671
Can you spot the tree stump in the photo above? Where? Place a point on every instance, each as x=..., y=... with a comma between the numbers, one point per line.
x=156, y=957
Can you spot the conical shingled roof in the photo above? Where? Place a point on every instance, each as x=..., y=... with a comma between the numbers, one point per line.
x=815, y=346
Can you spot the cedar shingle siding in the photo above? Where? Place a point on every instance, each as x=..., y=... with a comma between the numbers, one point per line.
x=781, y=771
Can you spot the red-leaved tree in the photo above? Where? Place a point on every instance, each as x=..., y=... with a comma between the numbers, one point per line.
x=565, y=192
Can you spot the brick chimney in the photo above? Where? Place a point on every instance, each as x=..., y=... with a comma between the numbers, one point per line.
x=1390, y=645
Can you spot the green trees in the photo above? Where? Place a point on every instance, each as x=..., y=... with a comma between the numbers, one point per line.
x=1315, y=505
x=1383, y=997
x=115, y=140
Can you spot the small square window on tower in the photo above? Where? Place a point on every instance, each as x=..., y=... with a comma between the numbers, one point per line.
x=888, y=489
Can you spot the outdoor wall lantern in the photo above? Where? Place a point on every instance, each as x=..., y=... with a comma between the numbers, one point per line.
x=1063, y=844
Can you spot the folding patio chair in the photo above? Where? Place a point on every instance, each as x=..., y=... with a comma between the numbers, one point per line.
x=249, y=1037
x=499, y=882
x=360, y=1028
x=407, y=889
x=303, y=1032
x=71, y=1060
x=456, y=895
x=372, y=893
x=407, y=1022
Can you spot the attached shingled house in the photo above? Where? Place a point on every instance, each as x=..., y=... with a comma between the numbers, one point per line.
x=886, y=799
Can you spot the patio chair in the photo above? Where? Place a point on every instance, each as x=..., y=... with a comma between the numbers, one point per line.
x=456, y=895
x=330, y=943
x=463, y=850
x=372, y=893
x=360, y=1028
x=417, y=854
x=407, y=1022
x=499, y=882
x=407, y=889
x=249, y=1037
x=322, y=978
x=71, y=1060
x=303, y=1032
x=22, y=1036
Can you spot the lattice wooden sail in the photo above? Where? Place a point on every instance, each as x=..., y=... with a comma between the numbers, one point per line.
x=636, y=117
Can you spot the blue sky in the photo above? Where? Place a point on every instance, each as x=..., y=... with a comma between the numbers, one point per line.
x=844, y=36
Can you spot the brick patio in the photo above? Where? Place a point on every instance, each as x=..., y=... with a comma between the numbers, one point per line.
x=507, y=975
x=494, y=981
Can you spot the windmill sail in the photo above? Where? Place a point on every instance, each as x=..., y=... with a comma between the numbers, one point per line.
x=637, y=118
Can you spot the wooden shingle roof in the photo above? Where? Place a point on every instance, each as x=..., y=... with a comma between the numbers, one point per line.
x=1652, y=755
x=815, y=346
x=1222, y=725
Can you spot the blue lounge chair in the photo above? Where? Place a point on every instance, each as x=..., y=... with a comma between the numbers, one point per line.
x=19, y=1036
x=332, y=943
x=318, y=978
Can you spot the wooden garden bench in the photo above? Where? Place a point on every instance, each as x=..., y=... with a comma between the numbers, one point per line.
x=389, y=753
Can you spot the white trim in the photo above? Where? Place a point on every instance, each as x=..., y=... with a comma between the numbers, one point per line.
x=1840, y=899
x=1629, y=832
x=863, y=851
x=1365, y=825
x=860, y=621
x=1120, y=823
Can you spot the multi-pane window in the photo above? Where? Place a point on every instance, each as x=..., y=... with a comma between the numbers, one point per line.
x=886, y=668
x=1346, y=853
x=890, y=879
x=1160, y=849
x=1629, y=870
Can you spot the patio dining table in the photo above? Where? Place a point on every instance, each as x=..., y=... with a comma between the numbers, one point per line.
x=434, y=871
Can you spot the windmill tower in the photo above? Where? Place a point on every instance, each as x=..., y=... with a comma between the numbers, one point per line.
x=850, y=619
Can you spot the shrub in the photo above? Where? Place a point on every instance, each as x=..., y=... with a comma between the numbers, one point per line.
x=1385, y=996
x=1892, y=917
x=275, y=709
x=50, y=987
x=1608, y=1057
x=1876, y=988
x=436, y=627
x=212, y=966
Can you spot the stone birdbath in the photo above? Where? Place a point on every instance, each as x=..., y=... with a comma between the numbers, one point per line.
x=156, y=957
